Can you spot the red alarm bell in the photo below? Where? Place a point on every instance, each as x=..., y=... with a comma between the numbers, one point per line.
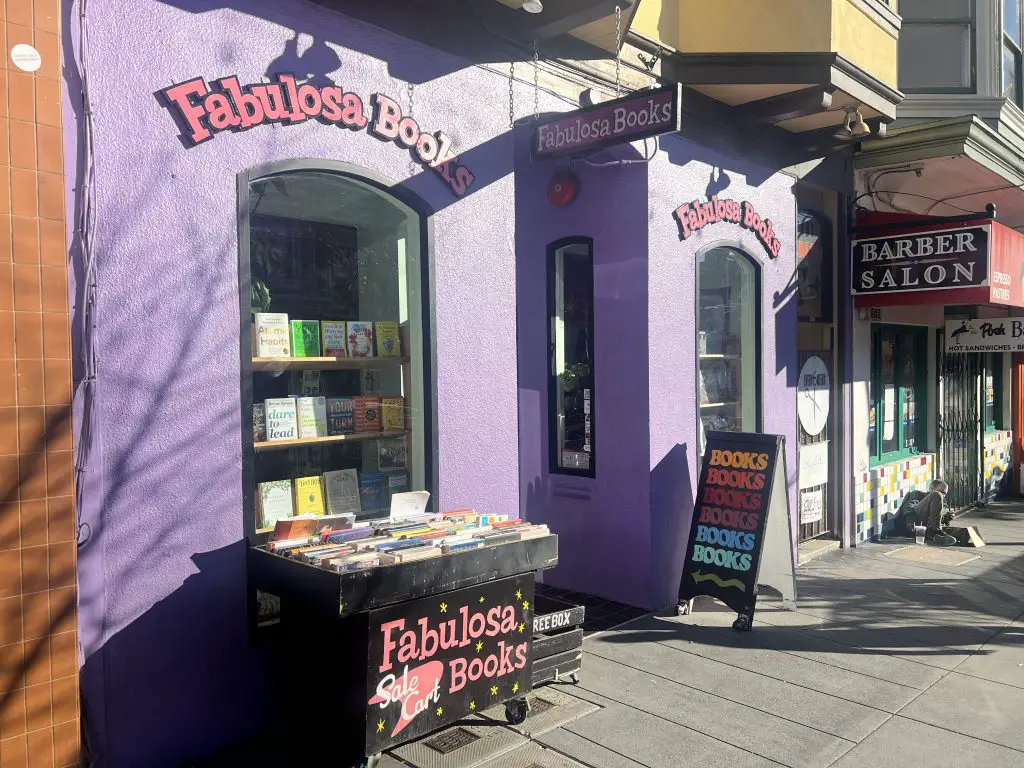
x=562, y=188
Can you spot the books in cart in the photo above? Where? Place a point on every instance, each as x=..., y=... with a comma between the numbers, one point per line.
x=342, y=488
x=332, y=335
x=312, y=416
x=275, y=502
x=270, y=331
x=282, y=418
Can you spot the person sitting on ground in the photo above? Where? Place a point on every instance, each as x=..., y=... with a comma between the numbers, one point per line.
x=929, y=513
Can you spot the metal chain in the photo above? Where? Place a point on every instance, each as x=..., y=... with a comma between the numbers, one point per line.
x=511, y=95
x=536, y=78
x=618, y=46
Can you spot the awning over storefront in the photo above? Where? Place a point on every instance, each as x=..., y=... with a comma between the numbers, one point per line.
x=902, y=259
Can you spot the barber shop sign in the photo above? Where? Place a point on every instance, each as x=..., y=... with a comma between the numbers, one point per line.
x=922, y=261
x=202, y=110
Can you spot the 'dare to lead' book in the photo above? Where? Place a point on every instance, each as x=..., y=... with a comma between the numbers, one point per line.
x=282, y=419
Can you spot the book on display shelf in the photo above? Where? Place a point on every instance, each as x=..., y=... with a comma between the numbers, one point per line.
x=371, y=491
x=259, y=422
x=392, y=454
x=312, y=415
x=270, y=330
x=367, y=414
x=341, y=416
x=395, y=482
x=359, y=339
x=305, y=336
x=275, y=502
x=332, y=334
x=392, y=414
x=371, y=382
x=309, y=496
x=282, y=418
x=388, y=343
x=342, y=488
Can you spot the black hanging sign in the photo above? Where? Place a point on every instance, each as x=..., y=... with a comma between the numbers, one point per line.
x=742, y=478
x=922, y=261
x=439, y=659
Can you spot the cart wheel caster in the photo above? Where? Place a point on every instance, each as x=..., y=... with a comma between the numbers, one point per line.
x=684, y=609
x=516, y=711
x=372, y=761
x=574, y=679
x=742, y=624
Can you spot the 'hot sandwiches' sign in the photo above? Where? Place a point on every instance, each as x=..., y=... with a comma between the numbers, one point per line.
x=922, y=261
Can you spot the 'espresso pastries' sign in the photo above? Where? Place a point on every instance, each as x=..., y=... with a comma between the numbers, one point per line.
x=203, y=110
x=1004, y=334
x=442, y=658
x=636, y=116
x=734, y=494
x=693, y=217
x=922, y=261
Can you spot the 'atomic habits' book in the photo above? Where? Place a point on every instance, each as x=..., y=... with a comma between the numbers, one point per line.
x=272, y=334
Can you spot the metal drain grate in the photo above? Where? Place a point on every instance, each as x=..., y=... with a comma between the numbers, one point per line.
x=449, y=741
x=538, y=705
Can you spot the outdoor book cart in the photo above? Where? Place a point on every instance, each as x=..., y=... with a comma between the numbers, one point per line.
x=375, y=658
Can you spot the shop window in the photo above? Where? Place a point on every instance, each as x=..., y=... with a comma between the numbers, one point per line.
x=993, y=391
x=342, y=262
x=572, y=397
x=897, y=400
x=729, y=343
x=1013, y=89
x=814, y=267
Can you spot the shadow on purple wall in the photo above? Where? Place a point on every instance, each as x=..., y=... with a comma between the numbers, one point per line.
x=672, y=502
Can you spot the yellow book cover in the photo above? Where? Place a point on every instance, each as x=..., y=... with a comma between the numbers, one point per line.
x=388, y=343
x=309, y=496
x=392, y=414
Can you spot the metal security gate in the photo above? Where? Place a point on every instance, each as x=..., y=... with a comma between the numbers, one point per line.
x=815, y=450
x=959, y=426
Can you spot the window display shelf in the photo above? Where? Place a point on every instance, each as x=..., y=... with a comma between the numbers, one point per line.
x=277, y=445
x=718, y=405
x=277, y=364
x=719, y=357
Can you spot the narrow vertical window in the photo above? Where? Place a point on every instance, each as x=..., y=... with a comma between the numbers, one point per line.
x=571, y=402
x=728, y=340
x=993, y=391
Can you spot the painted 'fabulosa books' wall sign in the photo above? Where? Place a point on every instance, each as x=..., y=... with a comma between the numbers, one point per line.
x=202, y=110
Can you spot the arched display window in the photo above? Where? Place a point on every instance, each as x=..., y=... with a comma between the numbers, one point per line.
x=728, y=341
x=336, y=414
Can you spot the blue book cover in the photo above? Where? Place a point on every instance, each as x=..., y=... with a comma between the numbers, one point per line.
x=371, y=490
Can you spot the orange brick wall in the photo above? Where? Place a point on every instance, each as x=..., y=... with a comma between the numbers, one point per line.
x=39, y=719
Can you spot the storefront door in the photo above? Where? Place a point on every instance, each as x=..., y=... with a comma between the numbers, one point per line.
x=814, y=430
x=815, y=387
x=959, y=426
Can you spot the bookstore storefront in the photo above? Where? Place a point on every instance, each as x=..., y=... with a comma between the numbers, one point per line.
x=514, y=335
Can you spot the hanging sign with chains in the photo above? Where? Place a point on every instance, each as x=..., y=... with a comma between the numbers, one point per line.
x=636, y=116
x=202, y=110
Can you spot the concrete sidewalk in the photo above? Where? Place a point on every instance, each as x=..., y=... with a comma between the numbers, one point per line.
x=884, y=663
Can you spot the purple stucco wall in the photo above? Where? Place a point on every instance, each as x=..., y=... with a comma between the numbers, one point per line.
x=168, y=670
x=624, y=531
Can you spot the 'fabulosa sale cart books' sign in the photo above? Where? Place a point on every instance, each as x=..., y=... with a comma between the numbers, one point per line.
x=633, y=117
x=439, y=659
